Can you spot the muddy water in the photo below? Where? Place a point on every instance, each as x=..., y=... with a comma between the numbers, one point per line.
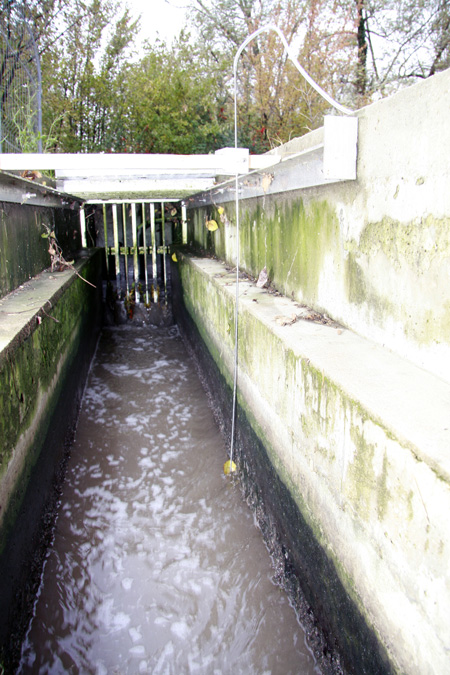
x=157, y=566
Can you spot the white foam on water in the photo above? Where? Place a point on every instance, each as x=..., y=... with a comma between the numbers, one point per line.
x=161, y=621
x=135, y=634
x=156, y=565
x=180, y=629
x=170, y=455
x=100, y=668
x=146, y=463
x=127, y=583
x=163, y=666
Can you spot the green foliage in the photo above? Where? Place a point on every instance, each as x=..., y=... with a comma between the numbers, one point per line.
x=24, y=121
x=179, y=99
x=83, y=75
x=172, y=103
x=274, y=103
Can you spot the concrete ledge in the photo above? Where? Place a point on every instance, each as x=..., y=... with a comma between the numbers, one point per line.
x=49, y=329
x=374, y=253
x=360, y=438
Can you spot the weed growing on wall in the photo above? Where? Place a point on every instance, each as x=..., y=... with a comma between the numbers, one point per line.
x=59, y=263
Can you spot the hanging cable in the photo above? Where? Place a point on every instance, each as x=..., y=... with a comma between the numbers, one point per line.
x=230, y=465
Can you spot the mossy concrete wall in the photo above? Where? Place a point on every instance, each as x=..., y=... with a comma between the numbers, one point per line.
x=359, y=438
x=373, y=254
x=23, y=251
x=353, y=412
x=48, y=332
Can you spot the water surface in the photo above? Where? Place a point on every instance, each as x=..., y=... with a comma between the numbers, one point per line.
x=157, y=566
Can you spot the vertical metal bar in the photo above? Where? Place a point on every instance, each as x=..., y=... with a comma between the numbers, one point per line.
x=135, y=252
x=125, y=244
x=83, y=227
x=116, y=250
x=144, y=242
x=105, y=234
x=154, y=264
x=184, y=224
x=163, y=234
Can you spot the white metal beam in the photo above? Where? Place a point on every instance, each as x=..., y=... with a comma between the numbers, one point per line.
x=229, y=162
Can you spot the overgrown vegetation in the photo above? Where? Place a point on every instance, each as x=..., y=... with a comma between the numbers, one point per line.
x=101, y=96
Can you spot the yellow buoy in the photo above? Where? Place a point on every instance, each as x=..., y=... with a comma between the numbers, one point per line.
x=229, y=467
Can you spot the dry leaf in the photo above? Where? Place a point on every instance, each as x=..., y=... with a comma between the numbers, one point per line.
x=266, y=181
x=263, y=278
x=286, y=320
x=211, y=225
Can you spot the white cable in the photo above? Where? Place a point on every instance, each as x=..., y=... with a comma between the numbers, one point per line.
x=334, y=104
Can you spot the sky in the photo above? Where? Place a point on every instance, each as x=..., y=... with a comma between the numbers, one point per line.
x=159, y=17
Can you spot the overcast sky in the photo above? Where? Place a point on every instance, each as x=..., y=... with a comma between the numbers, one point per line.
x=159, y=17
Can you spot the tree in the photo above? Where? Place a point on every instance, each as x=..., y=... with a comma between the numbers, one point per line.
x=24, y=25
x=273, y=100
x=172, y=102
x=84, y=73
x=400, y=41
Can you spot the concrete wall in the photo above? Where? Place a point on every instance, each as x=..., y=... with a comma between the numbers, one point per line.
x=48, y=331
x=357, y=434
x=23, y=251
x=374, y=253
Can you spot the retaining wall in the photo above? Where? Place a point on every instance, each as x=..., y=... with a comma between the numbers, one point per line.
x=49, y=326
x=26, y=210
x=351, y=408
x=374, y=254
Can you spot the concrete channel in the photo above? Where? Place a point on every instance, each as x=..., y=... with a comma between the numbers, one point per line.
x=343, y=380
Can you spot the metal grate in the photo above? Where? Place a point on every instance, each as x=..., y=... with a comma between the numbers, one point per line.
x=137, y=237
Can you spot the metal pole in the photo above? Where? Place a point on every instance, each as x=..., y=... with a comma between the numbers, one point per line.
x=83, y=227
x=125, y=244
x=184, y=224
x=116, y=250
x=105, y=231
x=154, y=263
x=163, y=234
x=135, y=252
x=144, y=242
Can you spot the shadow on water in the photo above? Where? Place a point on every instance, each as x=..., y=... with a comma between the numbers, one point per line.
x=157, y=566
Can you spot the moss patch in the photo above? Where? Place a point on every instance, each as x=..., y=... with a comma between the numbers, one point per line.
x=399, y=273
x=309, y=567
x=28, y=389
x=292, y=241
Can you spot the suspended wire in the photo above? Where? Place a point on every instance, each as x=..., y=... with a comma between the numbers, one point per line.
x=334, y=104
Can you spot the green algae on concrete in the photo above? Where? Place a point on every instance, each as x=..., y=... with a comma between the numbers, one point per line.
x=352, y=477
x=279, y=488
x=23, y=251
x=33, y=366
x=399, y=272
x=289, y=238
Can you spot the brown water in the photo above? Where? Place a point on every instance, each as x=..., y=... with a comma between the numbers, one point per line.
x=157, y=566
